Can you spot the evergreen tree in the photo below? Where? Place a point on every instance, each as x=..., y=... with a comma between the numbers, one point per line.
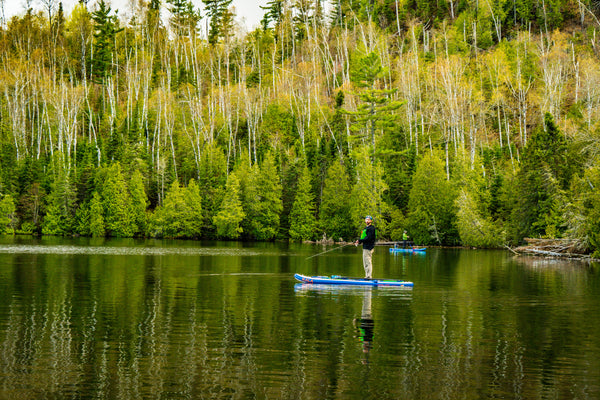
x=474, y=221
x=96, y=220
x=263, y=203
x=431, y=216
x=274, y=13
x=212, y=178
x=543, y=177
x=180, y=215
x=153, y=16
x=474, y=228
x=375, y=112
x=31, y=207
x=334, y=213
x=302, y=216
x=138, y=203
x=82, y=220
x=248, y=178
x=583, y=215
x=60, y=210
x=192, y=220
x=166, y=219
x=116, y=203
x=106, y=27
x=184, y=18
x=58, y=23
x=7, y=214
x=231, y=213
x=217, y=11
x=367, y=193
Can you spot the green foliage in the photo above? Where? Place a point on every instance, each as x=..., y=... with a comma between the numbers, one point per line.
x=431, y=219
x=116, y=202
x=82, y=220
x=473, y=228
x=184, y=17
x=212, y=178
x=262, y=200
x=397, y=224
x=367, y=193
x=583, y=214
x=302, y=216
x=540, y=183
x=106, y=27
x=138, y=203
x=7, y=214
x=231, y=213
x=474, y=222
x=273, y=13
x=60, y=209
x=399, y=166
x=192, y=219
x=278, y=127
x=220, y=20
x=375, y=112
x=180, y=215
x=96, y=219
x=334, y=214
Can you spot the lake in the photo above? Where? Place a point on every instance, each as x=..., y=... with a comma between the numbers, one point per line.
x=131, y=319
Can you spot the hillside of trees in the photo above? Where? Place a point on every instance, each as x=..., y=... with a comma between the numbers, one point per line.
x=465, y=122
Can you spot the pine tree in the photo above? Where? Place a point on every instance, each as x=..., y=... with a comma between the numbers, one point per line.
x=217, y=11
x=302, y=215
x=274, y=13
x=231, y=213
x=106, y=27
x=375, y=112
x=184, y=17
x=367, y=193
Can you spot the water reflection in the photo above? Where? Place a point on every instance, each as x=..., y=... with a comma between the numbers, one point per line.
x=366, y=324
x=130, y=251
x=477, y=324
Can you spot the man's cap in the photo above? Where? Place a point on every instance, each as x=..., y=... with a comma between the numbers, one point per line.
x=369, y=217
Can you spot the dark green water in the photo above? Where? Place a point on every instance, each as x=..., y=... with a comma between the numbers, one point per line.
x=126, y=319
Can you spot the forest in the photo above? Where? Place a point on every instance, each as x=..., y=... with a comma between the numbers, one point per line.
x=464, y=122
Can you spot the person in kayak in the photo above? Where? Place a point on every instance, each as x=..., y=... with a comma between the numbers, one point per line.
x=367, y=239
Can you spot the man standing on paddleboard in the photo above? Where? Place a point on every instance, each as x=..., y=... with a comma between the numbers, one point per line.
x=367, y=238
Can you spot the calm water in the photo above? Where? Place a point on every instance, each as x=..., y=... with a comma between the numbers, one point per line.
x=172, y=319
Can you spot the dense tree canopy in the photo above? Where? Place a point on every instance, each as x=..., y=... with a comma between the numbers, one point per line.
x=471, y=123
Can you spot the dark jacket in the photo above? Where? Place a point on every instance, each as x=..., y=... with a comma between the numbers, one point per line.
x=368, y=237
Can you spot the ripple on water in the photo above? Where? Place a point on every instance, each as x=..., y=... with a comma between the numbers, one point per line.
x=118, y=251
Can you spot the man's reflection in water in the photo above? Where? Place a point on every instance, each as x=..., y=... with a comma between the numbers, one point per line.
x=365, y=324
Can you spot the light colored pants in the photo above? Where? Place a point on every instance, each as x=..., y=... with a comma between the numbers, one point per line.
x=368, y=262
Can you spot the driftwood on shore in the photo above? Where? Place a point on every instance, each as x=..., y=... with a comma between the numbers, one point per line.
x=561, y=248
